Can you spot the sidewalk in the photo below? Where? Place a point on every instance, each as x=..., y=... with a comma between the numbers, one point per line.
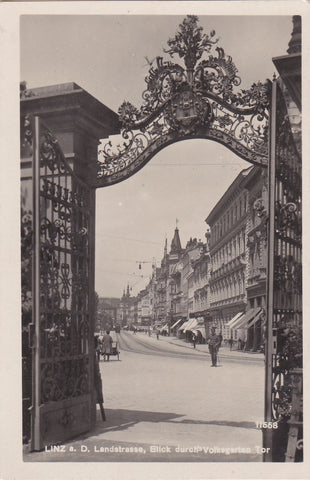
x=203, y=348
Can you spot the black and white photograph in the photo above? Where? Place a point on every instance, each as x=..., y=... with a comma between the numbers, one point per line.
x=160, y=239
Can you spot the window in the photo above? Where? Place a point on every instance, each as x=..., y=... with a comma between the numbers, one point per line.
x=251, y=256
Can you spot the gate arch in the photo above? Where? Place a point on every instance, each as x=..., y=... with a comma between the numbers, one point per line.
x=198, y=101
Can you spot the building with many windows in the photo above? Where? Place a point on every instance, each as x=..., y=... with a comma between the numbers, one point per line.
x=227, y=282
x=238, y=254
x=256, y=274
x=199, y=292
x=144, y=311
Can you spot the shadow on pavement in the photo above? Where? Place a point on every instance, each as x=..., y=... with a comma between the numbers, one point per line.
x=119, y=420
x=221, y=423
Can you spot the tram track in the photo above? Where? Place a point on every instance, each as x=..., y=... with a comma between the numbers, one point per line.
x=146, y=348
x=134, y=344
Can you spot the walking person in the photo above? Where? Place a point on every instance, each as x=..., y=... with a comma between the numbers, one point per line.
x=98, y=387
x=214, y=345
x=194, y=340
x=107, y=345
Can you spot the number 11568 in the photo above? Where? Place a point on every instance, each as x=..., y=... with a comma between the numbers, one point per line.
x=270, y=425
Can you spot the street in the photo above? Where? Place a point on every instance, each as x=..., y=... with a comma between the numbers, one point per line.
x=163, y=402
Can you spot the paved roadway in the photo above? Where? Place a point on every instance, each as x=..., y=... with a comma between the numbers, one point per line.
x=163, y=402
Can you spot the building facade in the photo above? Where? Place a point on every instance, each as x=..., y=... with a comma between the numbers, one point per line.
x=256, y=246
x=108, y=313
x=227, y=222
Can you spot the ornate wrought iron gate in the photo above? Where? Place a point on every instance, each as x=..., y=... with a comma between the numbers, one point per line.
x=283, y=389
x=179, y=104
x=62, y=361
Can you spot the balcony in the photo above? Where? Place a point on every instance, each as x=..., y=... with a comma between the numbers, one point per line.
x=229, y=267
x=256, y=274
x=229, y=301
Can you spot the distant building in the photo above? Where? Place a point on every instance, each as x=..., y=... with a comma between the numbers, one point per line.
x=125, y=308
x=227, y=222
x=256, y=257
x=183, y=272
x=199, y=291
x=108, y=313
x=144, y=312
x=238, y=252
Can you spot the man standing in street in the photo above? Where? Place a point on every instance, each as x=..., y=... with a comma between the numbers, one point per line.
x=107, y=345
x=214, y=344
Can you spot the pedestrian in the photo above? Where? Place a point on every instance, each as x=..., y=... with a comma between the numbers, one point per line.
x=97, y=346
x=157, y=334
x=214, y=344
x=194, y=340
x=98, y=388
x=107, y=345
x=230, y=341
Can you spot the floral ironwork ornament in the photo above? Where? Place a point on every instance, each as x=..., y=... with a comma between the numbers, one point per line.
x=198, y=101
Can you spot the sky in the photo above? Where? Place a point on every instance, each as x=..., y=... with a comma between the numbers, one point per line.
x=106, y=55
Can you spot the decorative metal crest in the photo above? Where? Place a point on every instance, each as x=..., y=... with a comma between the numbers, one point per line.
x=198, y=101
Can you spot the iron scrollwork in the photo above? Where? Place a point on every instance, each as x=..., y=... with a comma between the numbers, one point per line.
x=288, y=219
x=289, y=347
x=198, y=101
x=64, y=244
x=287, y=359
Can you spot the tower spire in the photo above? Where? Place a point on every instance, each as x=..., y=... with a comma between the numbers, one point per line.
x=176, y=242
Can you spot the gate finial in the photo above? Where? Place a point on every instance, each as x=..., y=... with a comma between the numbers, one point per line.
x=189, y=42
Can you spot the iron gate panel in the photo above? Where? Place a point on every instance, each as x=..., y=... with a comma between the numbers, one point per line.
x=62, y=370
x=284, y=349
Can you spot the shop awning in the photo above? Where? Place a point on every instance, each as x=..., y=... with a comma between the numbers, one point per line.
x=165, y=327
x=201, y=330
x=192, y=324
x=255, y=319
x=243, y=321
x=176, y=323
x=182, y=327
x=233, y=320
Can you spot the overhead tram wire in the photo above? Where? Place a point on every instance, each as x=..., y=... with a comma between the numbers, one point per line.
x=126, y=274
x=127, y=239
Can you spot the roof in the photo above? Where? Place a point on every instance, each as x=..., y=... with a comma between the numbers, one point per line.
x=176, y=242
x=218, y=208
x=109, y=302
x=45, y=101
